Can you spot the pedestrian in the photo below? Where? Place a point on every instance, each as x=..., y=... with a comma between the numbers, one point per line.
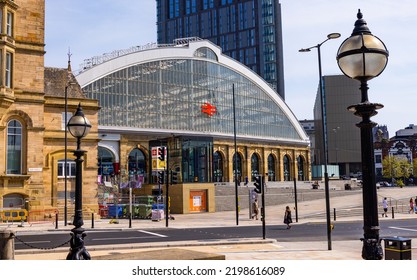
x=411, y=210
x=415, y=205
x=287, y=217
x=255, y=209
x=385, y=206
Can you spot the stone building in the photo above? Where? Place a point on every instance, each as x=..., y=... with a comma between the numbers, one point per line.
x=32, y=106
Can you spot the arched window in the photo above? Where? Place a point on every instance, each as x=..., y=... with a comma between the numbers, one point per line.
x=206, y=52
x=287, y=169
x=239, y=167
x=137, y=165
x=14, y=147
x=271, y=168
x=300, y=166
x=105, y=161
x=217, y=167
x=255, y=166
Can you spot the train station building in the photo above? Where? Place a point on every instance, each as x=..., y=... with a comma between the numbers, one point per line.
x=204, y=107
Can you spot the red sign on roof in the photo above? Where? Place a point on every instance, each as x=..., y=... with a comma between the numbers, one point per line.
x=208, y=109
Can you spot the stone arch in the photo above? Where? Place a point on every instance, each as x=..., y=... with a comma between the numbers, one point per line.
x=271, y=162
x=301, y=168
x=219, y=165
x=57, y=184
x=137, y=164
x=24, y=117
x=14, y=200
x=287, y=162
x=240, y=163
x=255, y=165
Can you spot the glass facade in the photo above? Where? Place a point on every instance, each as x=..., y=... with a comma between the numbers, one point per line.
x=247, y=30
x=190, y=98
x=169, y=94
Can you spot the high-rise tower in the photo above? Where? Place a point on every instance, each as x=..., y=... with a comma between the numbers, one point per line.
x=249, y=31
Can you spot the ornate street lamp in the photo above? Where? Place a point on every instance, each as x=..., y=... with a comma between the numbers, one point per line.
x=363, y=56
x=79, y=126
x=324, y=138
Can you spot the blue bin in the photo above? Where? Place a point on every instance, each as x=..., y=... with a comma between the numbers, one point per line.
x=158, y=206
x=112, y=211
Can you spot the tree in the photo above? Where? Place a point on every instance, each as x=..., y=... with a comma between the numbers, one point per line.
x=395, y=167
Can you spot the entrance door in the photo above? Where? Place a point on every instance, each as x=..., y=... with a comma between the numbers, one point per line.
x=198, y=201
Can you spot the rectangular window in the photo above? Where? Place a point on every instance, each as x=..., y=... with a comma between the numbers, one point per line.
x=8, y=72
x=69, y=115
x=70, y=168
x=9, y=24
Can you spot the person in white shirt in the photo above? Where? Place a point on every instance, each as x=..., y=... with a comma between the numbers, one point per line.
x=385, y=206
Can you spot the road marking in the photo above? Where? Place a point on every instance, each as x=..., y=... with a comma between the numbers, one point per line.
x=119, y=238
x=408, y=229
x=32, y=242
x=132, y=237
x=152, y=233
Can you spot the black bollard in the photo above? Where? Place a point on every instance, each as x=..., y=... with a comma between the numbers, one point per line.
x=92, y=220
x=334, y=214
x=392, y=210
x=130, y=220
x=56, y=220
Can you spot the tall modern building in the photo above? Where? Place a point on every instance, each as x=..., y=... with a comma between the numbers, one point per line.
x=249, y=31
x=343, y=136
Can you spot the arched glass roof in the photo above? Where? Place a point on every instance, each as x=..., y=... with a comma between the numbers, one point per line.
x=188, y=90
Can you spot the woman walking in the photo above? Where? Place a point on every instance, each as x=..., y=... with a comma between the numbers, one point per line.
x=411, y=206
x=287, y=217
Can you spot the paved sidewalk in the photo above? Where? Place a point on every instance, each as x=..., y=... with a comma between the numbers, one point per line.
x=256, y=248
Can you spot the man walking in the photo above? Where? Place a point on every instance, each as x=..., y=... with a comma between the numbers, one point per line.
x=385, y=206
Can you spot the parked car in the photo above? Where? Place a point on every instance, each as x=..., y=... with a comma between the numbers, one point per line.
x=384, y=184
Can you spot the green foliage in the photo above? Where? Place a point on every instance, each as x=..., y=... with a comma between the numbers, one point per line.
x=394, y=167
x=400, y=183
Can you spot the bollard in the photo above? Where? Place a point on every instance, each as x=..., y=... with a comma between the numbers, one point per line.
x=56, y=220
x=130, y=220
x=7, y=244
x=92, y=220
x=392, y=210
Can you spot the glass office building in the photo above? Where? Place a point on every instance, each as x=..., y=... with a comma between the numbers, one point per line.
x=197, y=102
x=249, y=31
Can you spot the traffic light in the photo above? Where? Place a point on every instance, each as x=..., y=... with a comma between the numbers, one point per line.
x=161, y=177
x=161, y=153
x=174, y=177
x=258, y=184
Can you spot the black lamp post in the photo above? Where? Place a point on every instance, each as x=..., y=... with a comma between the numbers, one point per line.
x=79, y=126
x=363, y=56
x=324, y=127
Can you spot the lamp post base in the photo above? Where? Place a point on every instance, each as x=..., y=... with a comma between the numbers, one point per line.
x=372, y=249
x=77, y=250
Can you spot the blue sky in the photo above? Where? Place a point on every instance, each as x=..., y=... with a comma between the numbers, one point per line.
x=91, y=28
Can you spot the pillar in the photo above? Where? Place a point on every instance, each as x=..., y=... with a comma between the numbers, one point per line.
x=6, y=244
